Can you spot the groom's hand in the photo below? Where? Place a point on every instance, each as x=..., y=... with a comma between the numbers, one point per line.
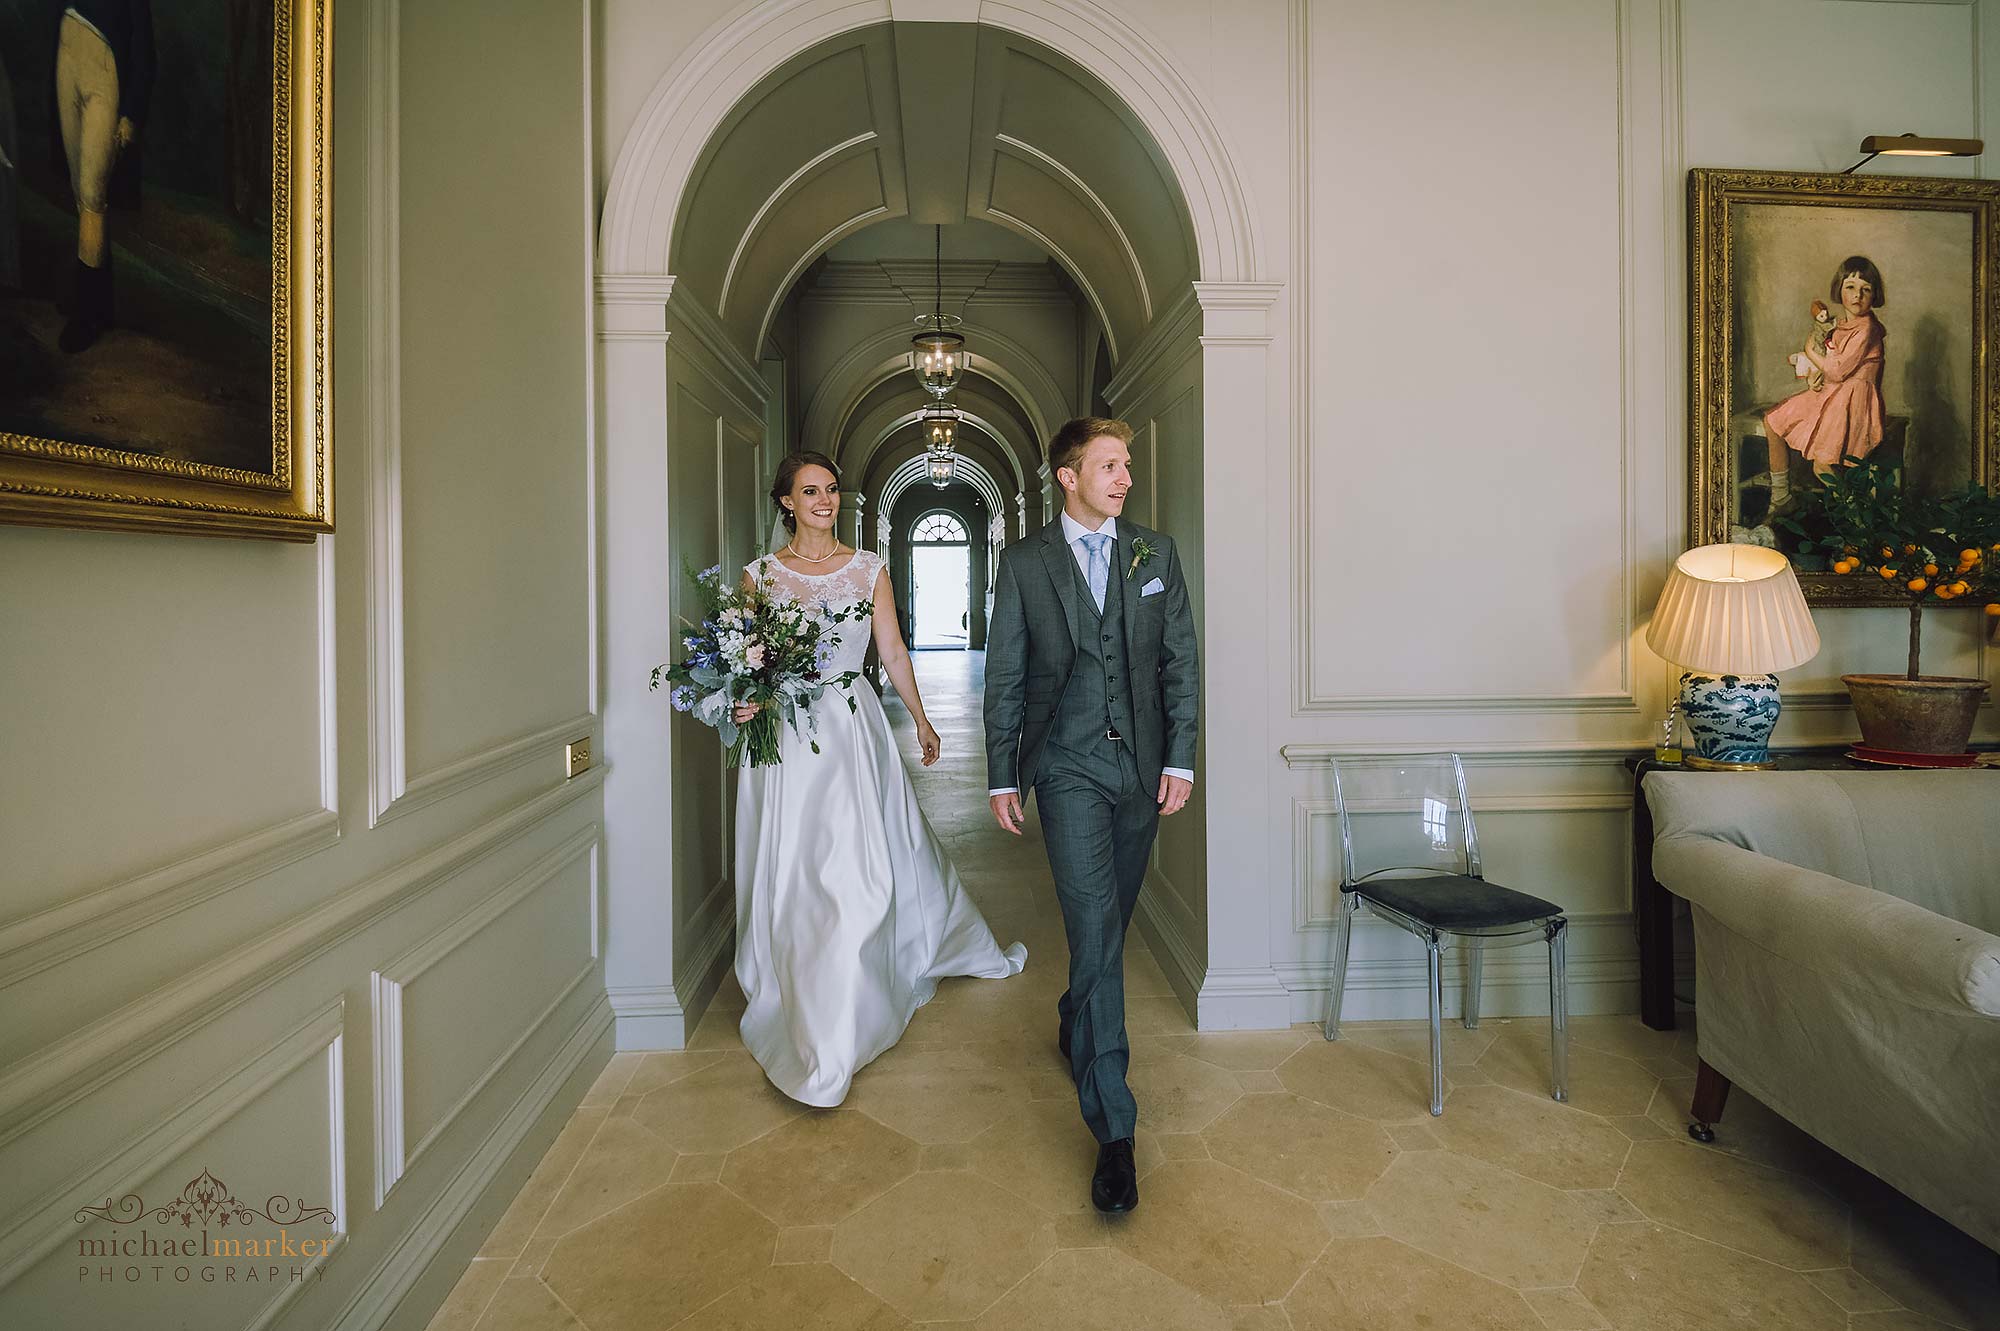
x=1007, y=811
x=1174, y=793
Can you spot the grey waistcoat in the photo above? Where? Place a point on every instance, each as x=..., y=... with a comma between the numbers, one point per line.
x=1099, y=693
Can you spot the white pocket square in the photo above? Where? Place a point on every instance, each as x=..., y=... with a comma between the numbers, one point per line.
x=1153, y=588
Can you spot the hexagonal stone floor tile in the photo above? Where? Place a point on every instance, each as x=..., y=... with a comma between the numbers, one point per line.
x=1180, y=1094
x=816, y=1296
x=1548, y=1142
x=719, y=1108
x=1359, y=1080
x=942, y=1246
x=1384, y=1285
x=1482, y=1217
x=622, y=1161
x=526, y=1305
x=650, y=1264
x=1231, y=1238
x=821, y=1168
x=1599, y=1082
x=1045, y=1155
x=1248, y=1051
x=939, y=1095
x=1765, y=1212
x=1103, y=1290
x=1646, y=1277
x=1300, y=1145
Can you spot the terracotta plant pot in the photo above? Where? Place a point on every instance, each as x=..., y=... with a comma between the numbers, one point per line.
x=1928, y=714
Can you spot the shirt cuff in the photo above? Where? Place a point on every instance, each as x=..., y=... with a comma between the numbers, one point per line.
x=1004, y=790
x=1184, y=773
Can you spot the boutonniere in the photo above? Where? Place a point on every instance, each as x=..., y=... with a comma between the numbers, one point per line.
x=1142, y=553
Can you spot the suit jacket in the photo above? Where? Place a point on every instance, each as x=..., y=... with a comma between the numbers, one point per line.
x=1031, y=650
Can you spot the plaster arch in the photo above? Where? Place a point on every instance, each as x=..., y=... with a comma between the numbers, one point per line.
x=864, y=436
x=697, y=93
x=687, y=421
x=885, y=354
x=913, y=472
x=885, y=433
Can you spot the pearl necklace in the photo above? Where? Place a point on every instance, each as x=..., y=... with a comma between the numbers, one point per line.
x=807, y=559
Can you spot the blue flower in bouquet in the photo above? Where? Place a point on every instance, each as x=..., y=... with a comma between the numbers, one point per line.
x=752, y=645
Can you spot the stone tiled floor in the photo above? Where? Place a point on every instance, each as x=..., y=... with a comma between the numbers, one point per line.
x=1286, y=1183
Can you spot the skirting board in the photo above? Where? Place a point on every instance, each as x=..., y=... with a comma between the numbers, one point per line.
x=458, y=1220
x=658, y=1018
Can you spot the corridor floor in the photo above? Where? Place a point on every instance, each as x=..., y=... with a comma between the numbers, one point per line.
x=1286, y=1183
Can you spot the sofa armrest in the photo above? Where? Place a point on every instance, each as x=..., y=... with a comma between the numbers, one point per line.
x=1869, y=940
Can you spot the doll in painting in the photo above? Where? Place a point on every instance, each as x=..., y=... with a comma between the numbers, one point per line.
x=1817, y=334
x=1839, y=413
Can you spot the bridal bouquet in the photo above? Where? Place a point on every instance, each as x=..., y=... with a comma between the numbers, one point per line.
x=752, y=646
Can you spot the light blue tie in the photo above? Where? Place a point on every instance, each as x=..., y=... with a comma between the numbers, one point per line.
x=1098, y=545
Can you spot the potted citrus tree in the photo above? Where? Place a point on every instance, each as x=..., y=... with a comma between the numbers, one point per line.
x=1928, y=551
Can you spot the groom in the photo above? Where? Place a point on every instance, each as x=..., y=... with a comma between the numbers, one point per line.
x=1091, y=693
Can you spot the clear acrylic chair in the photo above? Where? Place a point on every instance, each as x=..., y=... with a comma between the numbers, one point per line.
x=1408, y=847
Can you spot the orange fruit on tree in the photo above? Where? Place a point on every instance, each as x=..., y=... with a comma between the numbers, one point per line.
x=1961, y=587
x=1887, y=552
x=1842, y=566
x=1968, y=556
x=1909, y=549
x=1993, y=608
x=1917, y=584
x=1888, y=574
x=1930, y=570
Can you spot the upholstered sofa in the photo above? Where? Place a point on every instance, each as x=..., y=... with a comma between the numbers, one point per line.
x=1847, y=969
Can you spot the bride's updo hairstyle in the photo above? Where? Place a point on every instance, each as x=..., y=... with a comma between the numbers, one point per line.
x=788, y=471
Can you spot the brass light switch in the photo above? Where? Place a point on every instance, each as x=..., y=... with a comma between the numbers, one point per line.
x=576, y=757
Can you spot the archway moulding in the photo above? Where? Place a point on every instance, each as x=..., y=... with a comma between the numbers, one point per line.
x=882, y=355
x=696, y=93
x=916, y=470
x=904, y=421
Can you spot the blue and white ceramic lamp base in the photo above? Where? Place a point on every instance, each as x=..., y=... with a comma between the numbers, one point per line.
x=1730, y=719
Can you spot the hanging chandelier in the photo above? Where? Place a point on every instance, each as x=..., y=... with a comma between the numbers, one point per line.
x=937, y=354
x=940, y=431
x=940, y=425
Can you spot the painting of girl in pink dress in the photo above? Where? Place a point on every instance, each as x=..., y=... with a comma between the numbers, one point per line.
x=1839, y=414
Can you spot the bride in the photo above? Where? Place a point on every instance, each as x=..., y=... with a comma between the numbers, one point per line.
x=847, y=909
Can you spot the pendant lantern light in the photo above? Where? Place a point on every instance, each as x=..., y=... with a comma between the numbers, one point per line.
x=937, y=354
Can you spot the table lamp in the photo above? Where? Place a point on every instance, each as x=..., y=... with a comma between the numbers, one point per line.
x=1731, y=615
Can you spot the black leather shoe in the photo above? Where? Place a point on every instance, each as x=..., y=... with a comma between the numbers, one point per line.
x=1115, y=1185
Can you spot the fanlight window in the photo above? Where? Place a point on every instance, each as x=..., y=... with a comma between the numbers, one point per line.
x=939, y=529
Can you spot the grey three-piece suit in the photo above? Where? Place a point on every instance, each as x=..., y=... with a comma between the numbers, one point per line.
x=1061, y=679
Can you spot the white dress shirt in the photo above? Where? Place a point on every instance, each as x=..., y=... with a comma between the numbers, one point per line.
x=1074, y=532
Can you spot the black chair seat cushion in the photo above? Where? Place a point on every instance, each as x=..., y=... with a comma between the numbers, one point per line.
x=1452, y=902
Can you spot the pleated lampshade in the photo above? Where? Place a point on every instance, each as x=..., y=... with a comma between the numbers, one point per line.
x=1733, y=610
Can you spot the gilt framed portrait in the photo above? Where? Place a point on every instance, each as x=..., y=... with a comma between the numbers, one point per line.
x=1835, y=317
x=164, y=176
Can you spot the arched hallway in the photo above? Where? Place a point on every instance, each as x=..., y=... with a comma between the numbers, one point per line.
x=1290, y=1184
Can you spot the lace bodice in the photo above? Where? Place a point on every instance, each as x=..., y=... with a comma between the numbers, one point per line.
x=850, y=582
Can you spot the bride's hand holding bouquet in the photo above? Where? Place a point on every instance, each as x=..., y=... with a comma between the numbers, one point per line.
x=754, y=660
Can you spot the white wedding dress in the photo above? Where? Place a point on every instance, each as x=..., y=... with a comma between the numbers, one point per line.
x=848, y=910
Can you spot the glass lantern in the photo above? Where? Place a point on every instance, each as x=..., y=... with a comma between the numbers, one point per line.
x=940, y=425
x=937, y=355
x=943, y=467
